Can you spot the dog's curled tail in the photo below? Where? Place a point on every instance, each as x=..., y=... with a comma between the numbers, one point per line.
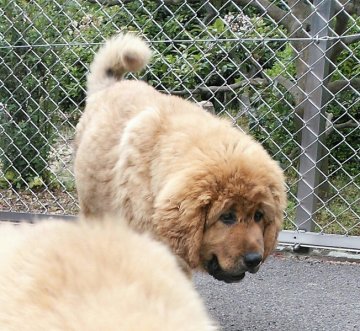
x=120, y=54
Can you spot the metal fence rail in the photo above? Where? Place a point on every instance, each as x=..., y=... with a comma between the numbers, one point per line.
x=287, y=72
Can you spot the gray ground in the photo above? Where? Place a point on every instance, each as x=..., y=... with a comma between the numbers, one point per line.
x=288, y=293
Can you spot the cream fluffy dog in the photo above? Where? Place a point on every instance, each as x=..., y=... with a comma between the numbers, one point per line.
x=62, y=276
x=212, y=193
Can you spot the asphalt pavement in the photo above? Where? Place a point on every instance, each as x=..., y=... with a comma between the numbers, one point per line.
x=288, y=293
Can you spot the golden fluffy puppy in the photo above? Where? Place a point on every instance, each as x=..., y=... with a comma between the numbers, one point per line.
x=211, y=192
x=62, y=276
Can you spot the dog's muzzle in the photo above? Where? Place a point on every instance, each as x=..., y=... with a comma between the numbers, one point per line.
x=214, y=269
x=252, y=263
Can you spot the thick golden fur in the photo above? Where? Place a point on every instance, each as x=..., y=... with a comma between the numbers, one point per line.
x=62, y=276
x=174, y=169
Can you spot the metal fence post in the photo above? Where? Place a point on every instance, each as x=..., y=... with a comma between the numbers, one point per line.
x=314, y=114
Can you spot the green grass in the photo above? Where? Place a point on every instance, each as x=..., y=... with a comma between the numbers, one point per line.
x=338, y=214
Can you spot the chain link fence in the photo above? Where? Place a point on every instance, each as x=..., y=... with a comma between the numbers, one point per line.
x=287, y=72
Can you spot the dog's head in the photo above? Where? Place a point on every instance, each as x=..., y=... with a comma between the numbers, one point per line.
x=225, y=218
x=241, y=229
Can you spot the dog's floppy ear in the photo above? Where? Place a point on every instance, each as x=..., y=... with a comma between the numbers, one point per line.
x=272, y=230
x=270, y=238
x=179, y=218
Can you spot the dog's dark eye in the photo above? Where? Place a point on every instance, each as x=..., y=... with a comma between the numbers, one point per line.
x=228, y=218
x=258, y=216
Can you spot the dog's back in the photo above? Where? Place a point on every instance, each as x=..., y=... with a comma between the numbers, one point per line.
x=61, y=276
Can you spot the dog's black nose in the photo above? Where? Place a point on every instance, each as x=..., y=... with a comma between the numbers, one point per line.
x=252, y=260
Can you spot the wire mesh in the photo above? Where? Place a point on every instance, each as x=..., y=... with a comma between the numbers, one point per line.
x=248, y=59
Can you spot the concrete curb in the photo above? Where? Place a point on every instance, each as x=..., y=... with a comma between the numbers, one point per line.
x=319, y=254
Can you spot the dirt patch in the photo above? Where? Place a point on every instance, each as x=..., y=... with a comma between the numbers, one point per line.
x=42, y=202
